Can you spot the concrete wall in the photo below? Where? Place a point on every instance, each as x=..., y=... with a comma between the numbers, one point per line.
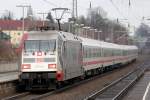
x=7, y=67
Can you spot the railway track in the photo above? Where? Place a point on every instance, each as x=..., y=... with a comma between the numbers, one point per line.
x=17, y=96
x=118, y=88
x=24, y=96
x=31, y=96
x=70, y=86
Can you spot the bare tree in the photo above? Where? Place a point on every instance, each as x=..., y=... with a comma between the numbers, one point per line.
x=143, y=30
x=50, y=17
x=82, y=20
x=96, y=18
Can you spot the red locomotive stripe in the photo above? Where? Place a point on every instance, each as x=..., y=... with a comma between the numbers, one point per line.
x=103, y=61
x=96, y=62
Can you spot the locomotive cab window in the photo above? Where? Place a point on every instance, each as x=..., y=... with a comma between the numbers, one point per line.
x=40, y=45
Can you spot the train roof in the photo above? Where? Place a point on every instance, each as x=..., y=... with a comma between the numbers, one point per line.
x=42, y=35
x=91, y=42
x=46, y=35
x=69, y=36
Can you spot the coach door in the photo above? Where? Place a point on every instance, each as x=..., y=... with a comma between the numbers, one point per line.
x=73, y=59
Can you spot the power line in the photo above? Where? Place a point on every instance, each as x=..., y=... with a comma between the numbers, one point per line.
x=130, y=9
x=23, y=8
x=50, y=3
x=116, y=8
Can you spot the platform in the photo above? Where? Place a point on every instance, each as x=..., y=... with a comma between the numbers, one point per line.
x=8, y=67
x=141, y=90
x=8, y=76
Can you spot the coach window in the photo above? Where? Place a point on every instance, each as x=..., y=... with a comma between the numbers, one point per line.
x=96, y=53
x=83, y=52
x=117, y=52
x=105, y=52
x=128, y=52
x=112, y=52
x=102, y=52
x=89, y=52
x=109, y=52
x=86, y=51
x=123, y=52
x=99, y=51
x=93, y=52
x=120, y=52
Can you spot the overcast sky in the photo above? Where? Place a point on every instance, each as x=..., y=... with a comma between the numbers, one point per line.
x=118, y=9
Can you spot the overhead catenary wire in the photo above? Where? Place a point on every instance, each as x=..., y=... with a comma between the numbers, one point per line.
x=50, y=3
x=130, y=9
x=120, y=13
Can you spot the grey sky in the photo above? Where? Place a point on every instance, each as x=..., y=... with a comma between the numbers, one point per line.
x=138, y=8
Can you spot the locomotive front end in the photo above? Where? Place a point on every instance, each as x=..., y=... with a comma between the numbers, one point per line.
x=39, y=63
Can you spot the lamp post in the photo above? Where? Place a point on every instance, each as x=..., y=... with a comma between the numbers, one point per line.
x=43, y=16
x=23, y=7
x=86, y=31
x=99, y=35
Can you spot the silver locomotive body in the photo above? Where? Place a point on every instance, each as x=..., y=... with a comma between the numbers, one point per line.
x=50, y=58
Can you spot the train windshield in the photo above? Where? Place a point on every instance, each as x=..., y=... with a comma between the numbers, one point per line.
x=40, y=45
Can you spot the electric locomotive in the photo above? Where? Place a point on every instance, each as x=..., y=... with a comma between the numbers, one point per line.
x=51, y=58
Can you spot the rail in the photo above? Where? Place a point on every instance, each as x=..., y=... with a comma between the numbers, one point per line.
x=118, y=88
